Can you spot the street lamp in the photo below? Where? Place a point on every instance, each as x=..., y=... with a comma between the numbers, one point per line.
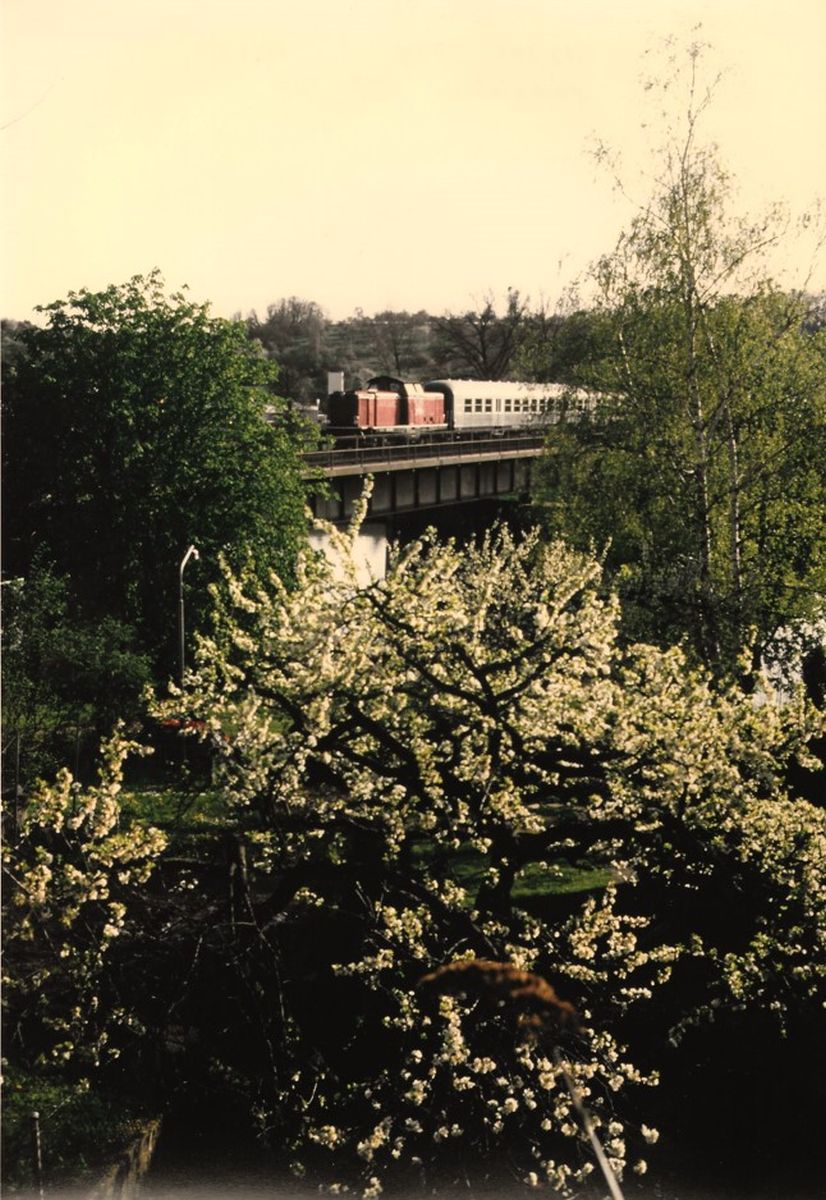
x=191, y=553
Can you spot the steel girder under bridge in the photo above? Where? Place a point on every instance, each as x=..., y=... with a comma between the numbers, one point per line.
x=421, y=475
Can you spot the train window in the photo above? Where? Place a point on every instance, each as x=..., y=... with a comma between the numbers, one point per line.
x=508, y=404
x=477, y=406
x=468, y=405
x=489, y=406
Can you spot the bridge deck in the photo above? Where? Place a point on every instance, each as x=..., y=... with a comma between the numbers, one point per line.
x=367, y=460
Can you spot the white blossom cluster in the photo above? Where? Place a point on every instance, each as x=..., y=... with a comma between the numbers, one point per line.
x=70, y=874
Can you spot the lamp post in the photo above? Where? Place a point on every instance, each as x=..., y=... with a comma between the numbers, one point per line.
x=191, y=553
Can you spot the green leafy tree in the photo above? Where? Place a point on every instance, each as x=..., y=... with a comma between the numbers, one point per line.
x=65, y=681
x=405, y=770
x=702, y=470
x=562, y=346
x=294, y=336
x=134, y=425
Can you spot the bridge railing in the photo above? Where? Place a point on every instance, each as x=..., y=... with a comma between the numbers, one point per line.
x=358, y=459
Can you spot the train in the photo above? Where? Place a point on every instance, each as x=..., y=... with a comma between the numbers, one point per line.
x=386, y=405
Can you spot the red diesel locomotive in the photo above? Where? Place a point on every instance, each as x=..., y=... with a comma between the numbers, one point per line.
x=387, y=405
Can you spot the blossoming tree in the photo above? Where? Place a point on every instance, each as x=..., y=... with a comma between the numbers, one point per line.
x=399, y=766
x=73, y=868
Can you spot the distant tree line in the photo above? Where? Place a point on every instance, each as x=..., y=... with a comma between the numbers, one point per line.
x=492, y=341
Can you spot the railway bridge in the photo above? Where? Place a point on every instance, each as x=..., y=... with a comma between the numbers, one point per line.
x=423, y=474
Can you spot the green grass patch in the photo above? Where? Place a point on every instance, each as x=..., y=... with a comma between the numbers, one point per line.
x=173, y=808
x=560, y=879
x=533, y=882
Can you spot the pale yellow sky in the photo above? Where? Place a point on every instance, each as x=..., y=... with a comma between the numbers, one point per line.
x=373, y=153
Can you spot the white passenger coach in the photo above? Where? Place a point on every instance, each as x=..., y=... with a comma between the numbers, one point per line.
x=482, y=404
